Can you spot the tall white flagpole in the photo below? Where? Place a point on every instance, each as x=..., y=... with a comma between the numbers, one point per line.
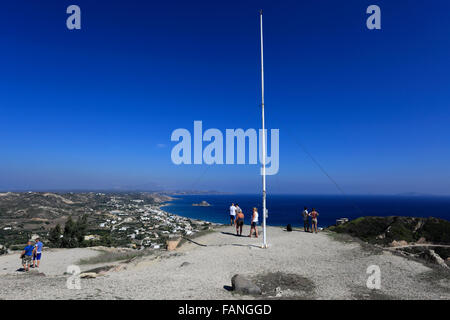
x=263, y=136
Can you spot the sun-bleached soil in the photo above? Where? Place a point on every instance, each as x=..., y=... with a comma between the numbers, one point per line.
x=296, y=265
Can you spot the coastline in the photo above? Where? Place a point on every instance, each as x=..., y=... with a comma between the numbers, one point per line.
x=162, y=205
x=286, y=209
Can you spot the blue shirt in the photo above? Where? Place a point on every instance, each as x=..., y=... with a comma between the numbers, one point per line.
x=29, y=250
x=39, y=246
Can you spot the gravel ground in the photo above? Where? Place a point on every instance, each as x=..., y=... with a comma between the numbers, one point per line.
x=54, y=261
x=331, y=269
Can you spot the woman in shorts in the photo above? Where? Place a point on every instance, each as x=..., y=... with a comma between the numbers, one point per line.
x=314, y=214
x=254, y=223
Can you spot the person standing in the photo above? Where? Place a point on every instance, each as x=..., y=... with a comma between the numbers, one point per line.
x=254, y=223
x=26, y=255
x=232, y=214
x=306, y=216
x=314, y=215
x=239, y=222
x=38, y=252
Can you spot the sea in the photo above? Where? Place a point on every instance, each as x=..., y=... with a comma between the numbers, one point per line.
x=286, y=209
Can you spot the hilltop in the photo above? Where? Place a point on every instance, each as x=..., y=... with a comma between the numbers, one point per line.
x=297, y=265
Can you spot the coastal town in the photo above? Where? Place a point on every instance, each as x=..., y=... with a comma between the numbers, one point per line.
x=146, y=225
x=134, y=220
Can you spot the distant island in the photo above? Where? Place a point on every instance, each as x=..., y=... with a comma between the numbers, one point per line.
x=201, y=204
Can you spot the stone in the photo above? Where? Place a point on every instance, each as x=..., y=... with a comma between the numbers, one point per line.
x=241, y=284
x=400, y=243
x=88, y=275
x=172, y=244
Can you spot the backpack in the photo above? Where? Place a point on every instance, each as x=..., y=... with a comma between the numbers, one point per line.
x=289, y=227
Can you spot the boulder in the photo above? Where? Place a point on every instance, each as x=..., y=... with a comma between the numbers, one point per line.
x=242, y=285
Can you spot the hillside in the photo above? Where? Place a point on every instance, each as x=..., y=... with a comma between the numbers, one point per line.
x=26, y=213
x=297, y=265
x=384, y=230
x=412, y=235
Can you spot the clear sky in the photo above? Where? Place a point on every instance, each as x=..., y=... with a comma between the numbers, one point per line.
x=94, y=108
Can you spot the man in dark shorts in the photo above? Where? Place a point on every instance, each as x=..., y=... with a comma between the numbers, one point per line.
x=239, y=223
x=26, y=255
x=306, y=216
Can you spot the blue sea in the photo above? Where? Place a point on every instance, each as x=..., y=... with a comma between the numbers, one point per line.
x=286, y=209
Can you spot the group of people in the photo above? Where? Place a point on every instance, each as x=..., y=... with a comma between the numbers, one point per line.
x=237, y=218
x=31, y=254
x=310, y=219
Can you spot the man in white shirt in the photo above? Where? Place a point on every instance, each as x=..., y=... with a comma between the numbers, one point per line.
x=232, y=214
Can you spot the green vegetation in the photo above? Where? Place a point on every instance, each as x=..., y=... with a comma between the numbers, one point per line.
x=73, y=235
x=12, y=239
x=384, y=230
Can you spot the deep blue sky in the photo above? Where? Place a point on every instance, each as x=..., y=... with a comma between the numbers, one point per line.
x=95, y=108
